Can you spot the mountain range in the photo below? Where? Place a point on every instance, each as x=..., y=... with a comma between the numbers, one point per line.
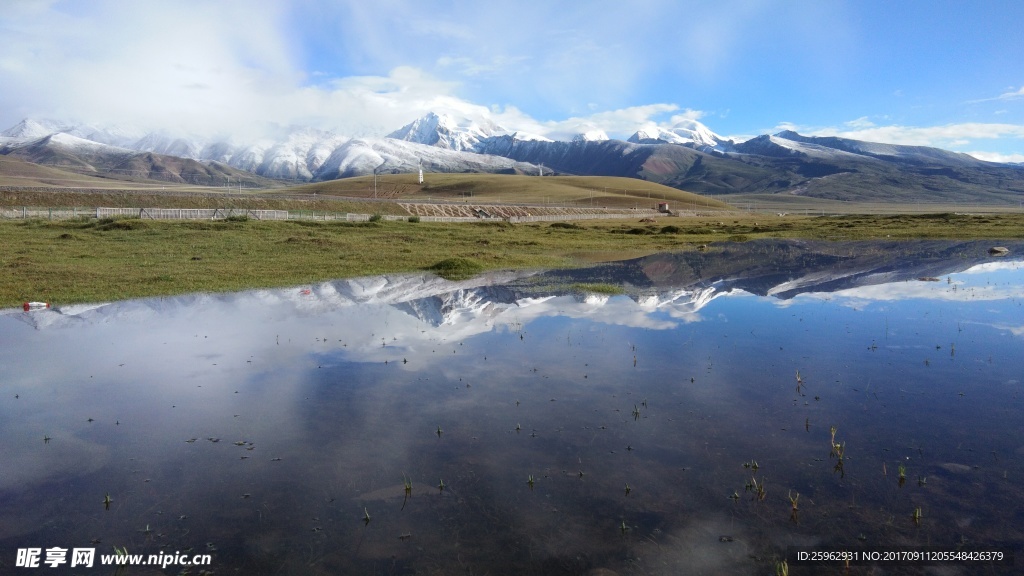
x=688, y=156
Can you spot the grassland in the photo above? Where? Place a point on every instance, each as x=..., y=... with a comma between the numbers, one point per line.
x=86, y=261
x=177, y=198
x=596, y=191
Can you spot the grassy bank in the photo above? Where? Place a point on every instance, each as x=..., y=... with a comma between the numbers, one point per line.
x=44, y=198
x=86, y=261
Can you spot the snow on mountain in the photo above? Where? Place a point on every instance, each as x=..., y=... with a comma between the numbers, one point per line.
x=476, y=305
x=30, y=129
x=681, y=301
x=778, y=146
x=444, y=131
x=63, y=140
x=296, y=155
x=161, y=143
x=518, y=135
x=361, y=156
x=915, y=154
x=596, y=135
x=120, y=136
x=221, y=151
x=686, y=132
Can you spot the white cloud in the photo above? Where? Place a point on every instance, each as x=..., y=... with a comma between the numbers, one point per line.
x=194, y=67
x=472, y=67
x=859, y=296
x=929, y=135
x=996, y=156
x=184, y=69
x=240, y=66
x=860, y=123
x=688, y=114
x=948, y=136
x=989, y=267
x=1015, y=330
x=1013, y=94
x=142, y=64
x=620, y=123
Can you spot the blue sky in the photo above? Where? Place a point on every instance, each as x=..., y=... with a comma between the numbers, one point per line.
x=947, y=74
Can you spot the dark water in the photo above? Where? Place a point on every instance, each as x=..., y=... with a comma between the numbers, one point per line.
x=326, y=399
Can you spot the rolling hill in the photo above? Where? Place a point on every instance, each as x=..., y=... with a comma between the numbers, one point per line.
x=596, y=191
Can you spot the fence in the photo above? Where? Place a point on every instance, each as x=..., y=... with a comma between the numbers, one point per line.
x=191, y=213
x=223, y=213
x=563, y=217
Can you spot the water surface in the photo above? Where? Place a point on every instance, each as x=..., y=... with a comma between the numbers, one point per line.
x=263, y=427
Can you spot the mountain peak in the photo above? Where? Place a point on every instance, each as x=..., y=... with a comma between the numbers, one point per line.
x=30, y=129
x=446, y=131
x=788, y=135
x=687, y=132
x=595, y=135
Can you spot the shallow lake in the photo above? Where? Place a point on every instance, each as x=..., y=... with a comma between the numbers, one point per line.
x=654, y=416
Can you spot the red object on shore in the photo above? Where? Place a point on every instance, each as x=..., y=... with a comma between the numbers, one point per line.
x=28, y=306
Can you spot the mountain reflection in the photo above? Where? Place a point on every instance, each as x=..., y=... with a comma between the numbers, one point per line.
x=658, y=291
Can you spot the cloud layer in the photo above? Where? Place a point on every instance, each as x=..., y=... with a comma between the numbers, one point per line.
x=243, y=67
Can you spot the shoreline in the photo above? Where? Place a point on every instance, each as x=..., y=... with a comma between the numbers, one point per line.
x=74, y=262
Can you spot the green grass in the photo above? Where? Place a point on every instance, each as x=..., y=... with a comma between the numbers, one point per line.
x=110, y=259
x=457, y=268
x=598, y=288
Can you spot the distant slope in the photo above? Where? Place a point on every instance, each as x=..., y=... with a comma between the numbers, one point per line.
x=86, y=157
x=814, y=167
x=580, y=190
x=21, y=173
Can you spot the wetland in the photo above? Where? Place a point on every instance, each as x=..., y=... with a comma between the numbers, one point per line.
x=694, y=412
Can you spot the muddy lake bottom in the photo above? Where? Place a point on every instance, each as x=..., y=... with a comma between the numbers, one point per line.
x=407, y=425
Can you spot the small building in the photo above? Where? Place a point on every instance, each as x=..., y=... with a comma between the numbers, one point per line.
x=663, y=207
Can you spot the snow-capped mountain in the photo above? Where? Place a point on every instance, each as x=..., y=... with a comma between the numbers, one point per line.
x=295, y=155
x=897, y=152
x=779, y=146
x=688, y=156
x=686, y=132
x=31, y=129
x=445, y=131
x=298, y=154
x=161, y=143
x=596, y=135
x=360, y=156
x=460, y=134
x=70, y=152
